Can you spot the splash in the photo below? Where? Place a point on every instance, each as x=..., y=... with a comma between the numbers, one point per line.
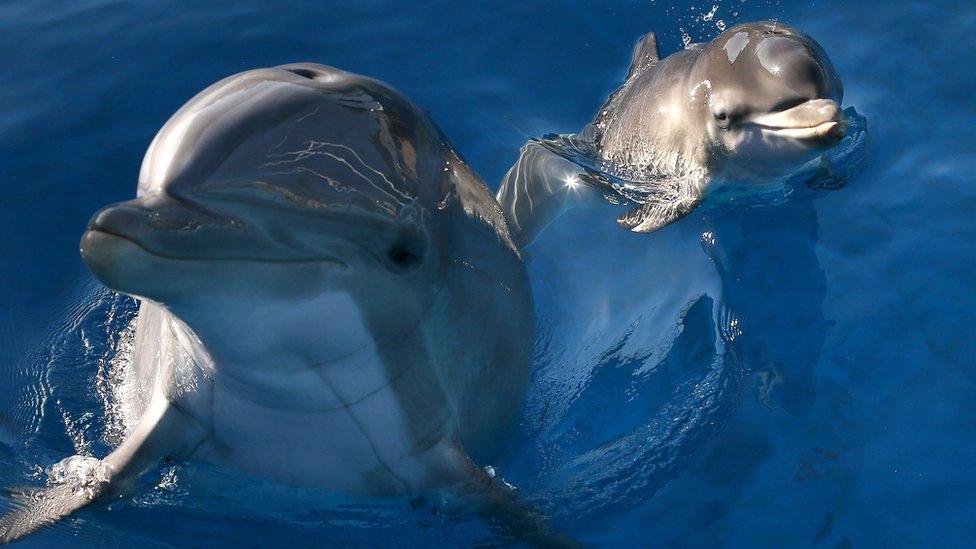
x=69, y=404
x=701, y=22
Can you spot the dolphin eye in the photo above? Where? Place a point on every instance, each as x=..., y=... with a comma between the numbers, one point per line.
x=304, y=73
x=721, y=118
x=405, y=255
x=402, y=256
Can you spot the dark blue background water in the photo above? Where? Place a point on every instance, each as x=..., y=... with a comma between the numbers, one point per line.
x=841, y=414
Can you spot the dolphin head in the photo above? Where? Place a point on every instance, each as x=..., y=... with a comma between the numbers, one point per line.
x=277, y=191
x=769, y=98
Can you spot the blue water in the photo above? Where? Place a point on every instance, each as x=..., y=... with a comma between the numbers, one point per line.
x=798, y=374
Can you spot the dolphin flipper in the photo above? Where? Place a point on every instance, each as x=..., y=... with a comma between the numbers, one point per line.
x=162, y=432
x=35, y=508
x=497, y=501
x=651, y=216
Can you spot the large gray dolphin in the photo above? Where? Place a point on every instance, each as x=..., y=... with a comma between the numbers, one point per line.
x=742, y=112
x=330, y=297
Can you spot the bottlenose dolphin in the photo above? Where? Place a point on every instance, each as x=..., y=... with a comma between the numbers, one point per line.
x=734, y=115
x=330, y=297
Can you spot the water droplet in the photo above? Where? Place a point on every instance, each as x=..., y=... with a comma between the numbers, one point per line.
x=711, y=13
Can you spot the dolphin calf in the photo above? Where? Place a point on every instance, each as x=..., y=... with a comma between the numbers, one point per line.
x=330, y=297
x=734, y=115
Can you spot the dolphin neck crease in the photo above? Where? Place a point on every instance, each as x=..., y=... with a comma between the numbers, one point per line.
x=222, y=369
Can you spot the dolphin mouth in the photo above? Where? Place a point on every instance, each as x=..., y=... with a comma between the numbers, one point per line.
x=815, y=122
x=833, y=129
x=96, y=237
x=175, y=230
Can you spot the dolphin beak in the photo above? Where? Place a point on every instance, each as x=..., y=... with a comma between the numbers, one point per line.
x=165, y=230
x=155, y=224
x=815, y=123
x=167, y=250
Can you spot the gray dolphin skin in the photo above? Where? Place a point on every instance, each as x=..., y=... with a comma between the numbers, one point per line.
x=330, y=297
x=737, y=114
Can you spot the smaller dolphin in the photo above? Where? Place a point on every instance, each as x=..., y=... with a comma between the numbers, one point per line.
x=737, y=114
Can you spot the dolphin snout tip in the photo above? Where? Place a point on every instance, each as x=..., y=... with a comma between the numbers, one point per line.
x=122, y=219
x=837, y=131
x=102, y=252
x=85, y=245
x=112, y=221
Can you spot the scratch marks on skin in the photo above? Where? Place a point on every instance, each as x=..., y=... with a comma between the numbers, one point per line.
x=269, y=154
x=389, y=196
x=313, y=203
x=666, y=196
x=313, y=148
x=426, y=442
x=314, y=112
x=349, y=158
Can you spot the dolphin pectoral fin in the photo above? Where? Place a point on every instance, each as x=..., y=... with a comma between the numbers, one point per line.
x=35, y=508
x=78, y=481
x=496, y=501
x=651, y=216
x=645, y=53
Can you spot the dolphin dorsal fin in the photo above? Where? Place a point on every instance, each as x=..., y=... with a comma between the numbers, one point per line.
x=645, y=53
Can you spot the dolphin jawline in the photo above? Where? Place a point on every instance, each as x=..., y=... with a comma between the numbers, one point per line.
x=833, y=129
x=797, y=122
x=92, y=232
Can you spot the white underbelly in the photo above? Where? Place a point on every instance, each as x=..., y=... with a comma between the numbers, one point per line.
x=353, y=424
x=363, y=441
